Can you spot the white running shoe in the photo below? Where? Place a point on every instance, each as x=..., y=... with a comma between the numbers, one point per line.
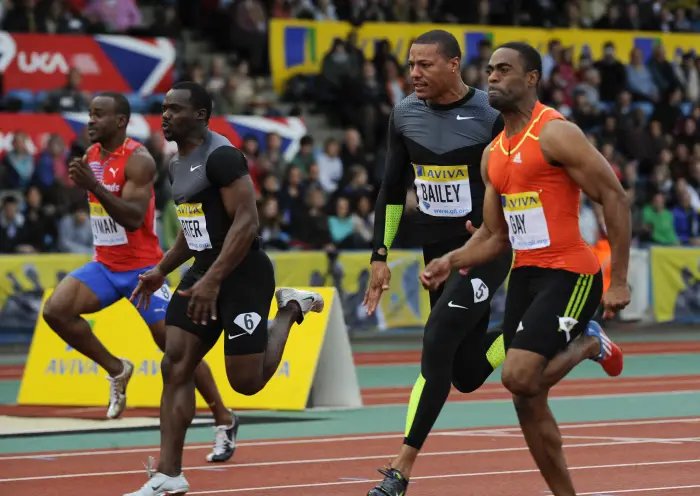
x=117, y=390
x=224, y=441
x=160, y=484
x=309, y=301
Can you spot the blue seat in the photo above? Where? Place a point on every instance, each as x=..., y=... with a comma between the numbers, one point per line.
x=25, y=97
x=137, y=102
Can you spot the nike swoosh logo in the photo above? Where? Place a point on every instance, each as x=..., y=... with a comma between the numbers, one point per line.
x=192, y=169
x=460, y=118
x=452, y=305
x=237, y=335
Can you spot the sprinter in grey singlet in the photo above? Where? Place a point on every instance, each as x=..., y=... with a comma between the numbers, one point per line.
x=229, y=287
x=436, y=138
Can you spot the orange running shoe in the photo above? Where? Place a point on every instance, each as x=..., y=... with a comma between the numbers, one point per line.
x=610, y=356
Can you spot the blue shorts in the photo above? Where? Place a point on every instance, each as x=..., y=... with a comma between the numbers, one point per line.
x=110, y=287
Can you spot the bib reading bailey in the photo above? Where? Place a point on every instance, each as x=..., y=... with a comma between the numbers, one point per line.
x=443, y=145
x=196, y=179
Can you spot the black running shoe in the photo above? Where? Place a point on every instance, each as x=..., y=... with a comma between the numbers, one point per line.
x=394, y=484
x=225, y=441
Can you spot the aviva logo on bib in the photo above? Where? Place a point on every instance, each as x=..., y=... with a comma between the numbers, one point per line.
x=443, y=190
x=527, y=225
x=190, y=210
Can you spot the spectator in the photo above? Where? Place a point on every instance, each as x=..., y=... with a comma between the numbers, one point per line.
x=74, y=232
x=686, y=220
x=17, y=168
x=39, y=222
x=305, y=156
x=330, y=166
x=342, y=226
x=640, y=80
x=51, y=172
x=659, y=222
x=119, y=16
x=13, y=231
x=271, y=227
x=69, y=98
x=363, y=221
x=613, y=76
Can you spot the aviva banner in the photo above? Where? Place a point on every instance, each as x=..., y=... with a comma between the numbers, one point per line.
x=404, y=305
x=317, y=354
x=298, y=47
x=675, y=279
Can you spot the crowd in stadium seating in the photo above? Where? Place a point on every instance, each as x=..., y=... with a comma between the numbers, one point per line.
x=643, y=115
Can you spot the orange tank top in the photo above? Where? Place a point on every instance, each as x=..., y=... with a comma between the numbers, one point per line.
x=540, y=201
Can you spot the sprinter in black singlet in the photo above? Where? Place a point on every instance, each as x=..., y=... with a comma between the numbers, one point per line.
x=229, y=287
x=439, y=134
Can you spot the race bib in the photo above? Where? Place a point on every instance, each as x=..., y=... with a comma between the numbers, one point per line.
x=105, y=230
x=443, y=190
x=194, y=226
x=527, y=225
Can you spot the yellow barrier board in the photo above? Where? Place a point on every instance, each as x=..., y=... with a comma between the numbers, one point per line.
x=675, y=272
x=298, y=47
x=58, y=375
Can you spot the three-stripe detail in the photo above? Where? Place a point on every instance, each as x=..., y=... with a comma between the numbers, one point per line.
x=578, y=299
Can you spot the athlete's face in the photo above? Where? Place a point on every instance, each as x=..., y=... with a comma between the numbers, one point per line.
x=509, y=83
x=179, y=115
x=104, y=120
x=432, y=73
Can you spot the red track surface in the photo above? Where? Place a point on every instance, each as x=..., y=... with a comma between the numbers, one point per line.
x=641, y=458
x=641, y=348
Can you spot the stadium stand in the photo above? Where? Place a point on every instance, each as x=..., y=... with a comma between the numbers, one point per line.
x=317, y=177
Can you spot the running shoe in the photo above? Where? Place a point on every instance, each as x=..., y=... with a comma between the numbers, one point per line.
x=224, y=441
x=394, y=484
x=610, y=356
x=309, y=301
x=117, y=390
x=160, y=484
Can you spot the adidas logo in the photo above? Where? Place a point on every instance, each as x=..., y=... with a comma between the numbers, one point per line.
x=517, y=158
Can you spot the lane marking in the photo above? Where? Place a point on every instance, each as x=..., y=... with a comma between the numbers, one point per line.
x=448, y=476
x=639, y=490
x=318, y=460
x=336, y=439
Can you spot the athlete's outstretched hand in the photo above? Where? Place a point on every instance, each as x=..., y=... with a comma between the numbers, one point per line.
x=203, y=298
x=436, y=272
x=615, y=299
x=149, y=282
x=81, y=173
x=378, y=283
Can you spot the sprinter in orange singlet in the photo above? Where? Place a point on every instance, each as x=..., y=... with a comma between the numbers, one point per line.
x=534, y=172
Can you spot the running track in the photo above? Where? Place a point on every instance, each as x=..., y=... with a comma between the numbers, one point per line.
x=648, y=457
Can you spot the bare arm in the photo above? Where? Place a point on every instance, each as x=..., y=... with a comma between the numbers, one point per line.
x=228, y=169
x=492, y=237
x=130, y=209
x=564, y=143
x=177, y=255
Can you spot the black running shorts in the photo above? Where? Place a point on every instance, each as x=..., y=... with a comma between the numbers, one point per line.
x=547, y=308
x=243, y=306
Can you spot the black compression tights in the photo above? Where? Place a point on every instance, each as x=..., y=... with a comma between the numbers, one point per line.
x=466, y=368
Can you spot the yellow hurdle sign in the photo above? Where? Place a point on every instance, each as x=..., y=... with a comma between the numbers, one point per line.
x=56, y=374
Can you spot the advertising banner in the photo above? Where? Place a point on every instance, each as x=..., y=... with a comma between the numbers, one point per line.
x=675, y=279
x=298, y=47
x=40, y=62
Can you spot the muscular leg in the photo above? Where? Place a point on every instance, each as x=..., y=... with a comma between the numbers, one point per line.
x=203, y=380
x=183, y=353
x=534, y=364
x=248, y=374
x=62, y=312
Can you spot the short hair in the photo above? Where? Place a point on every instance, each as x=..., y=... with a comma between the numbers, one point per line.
x=531, y=58
x=121, y=104
x=446, y=42
x=199, y=96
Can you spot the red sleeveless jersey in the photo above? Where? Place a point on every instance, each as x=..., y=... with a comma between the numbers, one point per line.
x=115, y=247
